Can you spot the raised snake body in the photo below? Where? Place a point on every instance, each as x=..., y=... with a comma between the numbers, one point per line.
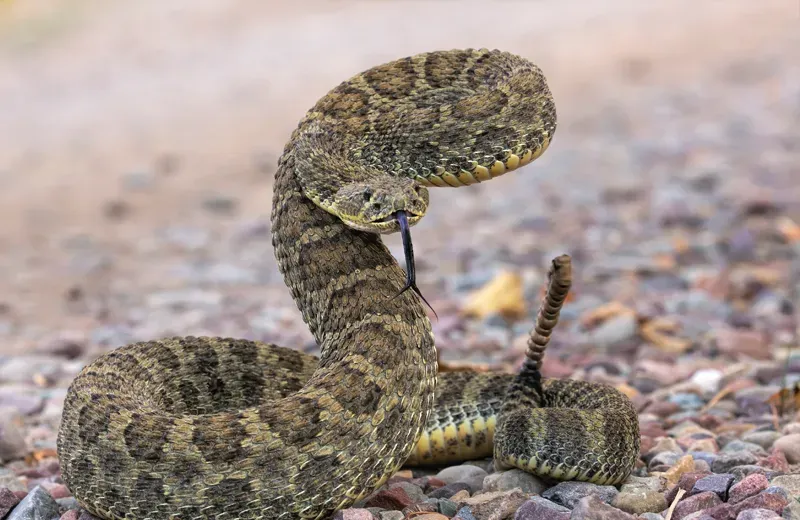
x=196, y=428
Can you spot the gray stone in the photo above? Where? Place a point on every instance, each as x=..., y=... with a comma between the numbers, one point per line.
x=791, y=483
x=615, y=330
x=650, y=516
x=718, y=483
x=391, y=515
x=24, y=369
x=471, y=475
x=22, y=399
x=465, y=513
x=449, y=490
x=447, y=507
x=37, y=505
x=790, y=446
x=634, y=483
x=792, y=511
x=726, y=461
x=592, y=508
x=538, y=508
x=764, y=439
x=740, y=472
x=665, y=458
x=413, y=492
x=12, y=442
x=10, y=480
x=569, y=493
x=739, y=445
x=515, y=478
x=65, y=504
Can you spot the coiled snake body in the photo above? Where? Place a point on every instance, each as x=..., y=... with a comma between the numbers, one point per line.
x=196, y=428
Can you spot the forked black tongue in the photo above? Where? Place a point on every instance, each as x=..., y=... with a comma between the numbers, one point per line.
x=408, y=250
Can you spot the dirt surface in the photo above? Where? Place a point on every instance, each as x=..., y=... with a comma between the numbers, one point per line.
x=138, y=141
x=123, y=119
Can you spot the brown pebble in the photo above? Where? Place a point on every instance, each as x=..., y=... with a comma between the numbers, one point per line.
x=684, y=465
x=494, y=505
x=394, y=499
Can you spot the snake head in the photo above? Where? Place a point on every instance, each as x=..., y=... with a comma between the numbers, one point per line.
x=371, y=204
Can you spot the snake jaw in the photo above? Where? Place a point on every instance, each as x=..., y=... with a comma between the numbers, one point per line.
x=408, y=251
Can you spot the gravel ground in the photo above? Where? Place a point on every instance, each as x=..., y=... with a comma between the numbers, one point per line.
x=672, y=185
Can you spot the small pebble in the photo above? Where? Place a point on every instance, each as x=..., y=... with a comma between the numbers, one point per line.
x=593, y=508
x=538, y=508
x=7, y=501
x=757, y=514
x=468, y=474
x=568, y=494
x=718, y=484
x=764, y=439
x=727, y=461
x=790, y=446
x=494, y=505
x=695, y=503
x=37, y=505
x=791, y=483
x=749, y=486
x=12, y=442
x=515, y=478
x=639, y=502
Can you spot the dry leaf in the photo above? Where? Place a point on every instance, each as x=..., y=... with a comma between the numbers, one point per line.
x=657, y=332
x=600, y=314
x=789, y=229
x=39, y=455
x=503, y=295
x=628, y=390
x=786, y=399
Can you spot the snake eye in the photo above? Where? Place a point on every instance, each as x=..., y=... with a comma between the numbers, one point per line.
x=367, y=194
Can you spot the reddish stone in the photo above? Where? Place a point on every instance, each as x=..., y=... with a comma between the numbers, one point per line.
x=770, y=501
x=7, y=501
x=394, y=499
x=555, y=368
x=775, y=461
x=752, y=484
x=59, y=491
x=709, y=422
x=72, y=514
x=662, y=408
x=695, y=503
x=646, y=444
x=686, y=483
x=652, y=429
x=435, y=483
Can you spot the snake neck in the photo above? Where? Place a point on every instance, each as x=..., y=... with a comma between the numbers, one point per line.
x=346, y=284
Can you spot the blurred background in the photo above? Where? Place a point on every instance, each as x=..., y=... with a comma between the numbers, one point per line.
x=138, y=144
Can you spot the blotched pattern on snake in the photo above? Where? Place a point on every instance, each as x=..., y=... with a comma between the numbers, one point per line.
x=195, y=428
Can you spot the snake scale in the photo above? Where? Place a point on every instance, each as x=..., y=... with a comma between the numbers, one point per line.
x=196, y=428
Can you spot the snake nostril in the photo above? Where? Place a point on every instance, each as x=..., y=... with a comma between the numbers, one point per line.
x=367, y=194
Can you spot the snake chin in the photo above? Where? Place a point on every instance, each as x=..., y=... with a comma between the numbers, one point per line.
x=372, y=205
